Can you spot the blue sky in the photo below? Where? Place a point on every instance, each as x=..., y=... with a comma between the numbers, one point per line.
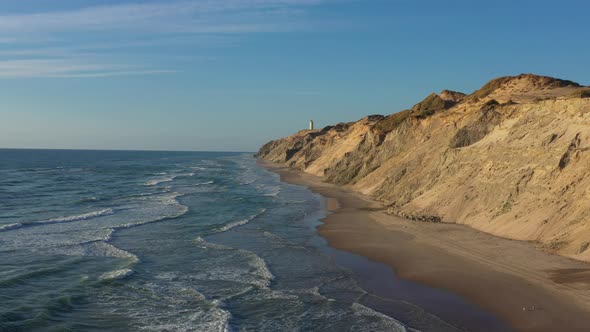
x=230, y=75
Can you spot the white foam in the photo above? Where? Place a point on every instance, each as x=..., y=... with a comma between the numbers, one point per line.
x=247, y=176
x=170, y=304
x=74, y=236
x=201, y=243
x=276, y=295
x=158, y=181
x=89, y=199
x=95, y=249
x=116, y=275
x=270, y=191
x=242, y=222
x=261, y=269
x=213, y=320
x=167, y=179
x=204, y=183
x=8, y=227
x=311, y=291
x=109, y=235
x=255, y=273
x=78, y=217
x=183, y=210
x=110, y=250
x=234, y=224
x=390, y=323
x=273, y=194
x=84, y=216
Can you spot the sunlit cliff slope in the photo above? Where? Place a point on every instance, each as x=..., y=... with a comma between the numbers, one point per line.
x=511, y=159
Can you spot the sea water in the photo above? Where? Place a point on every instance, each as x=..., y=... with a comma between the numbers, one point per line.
x=173, y=241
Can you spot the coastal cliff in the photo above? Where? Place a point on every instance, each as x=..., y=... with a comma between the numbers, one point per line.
x=511, y=159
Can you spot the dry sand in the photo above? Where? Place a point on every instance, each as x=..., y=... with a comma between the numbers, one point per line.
x=528, y=289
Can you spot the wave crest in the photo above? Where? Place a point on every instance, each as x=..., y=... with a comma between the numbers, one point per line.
x=72, y=218
x=116, y=275
x=242, y=222
x=84, y=216
x=167, y=179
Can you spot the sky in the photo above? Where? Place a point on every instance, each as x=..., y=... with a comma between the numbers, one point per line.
x=230, y=75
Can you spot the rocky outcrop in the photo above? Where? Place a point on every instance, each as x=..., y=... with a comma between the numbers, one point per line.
x=511, y=159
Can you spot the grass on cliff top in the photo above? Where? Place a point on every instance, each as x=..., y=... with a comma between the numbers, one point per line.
x=389, y=123
x=489, y=87
x=339, y=127
x=535, y=80
x=429, y=106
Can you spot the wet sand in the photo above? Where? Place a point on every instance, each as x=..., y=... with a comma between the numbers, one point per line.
x=526, y=288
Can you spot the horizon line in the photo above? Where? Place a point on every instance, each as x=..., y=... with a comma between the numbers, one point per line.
x=124, y=150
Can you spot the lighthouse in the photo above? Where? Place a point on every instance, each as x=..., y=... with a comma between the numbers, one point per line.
x=310, y=124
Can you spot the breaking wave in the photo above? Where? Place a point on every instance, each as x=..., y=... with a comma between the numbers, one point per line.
x=256, y=273
x=8, y=227
x=84, y=216
x=94, y=249
x=384, y=322
x=242, y=222
x=154, y=182
x=116, y=275
x=201, y=243
x=78, y=217
x=158, y=181
x=183, y=210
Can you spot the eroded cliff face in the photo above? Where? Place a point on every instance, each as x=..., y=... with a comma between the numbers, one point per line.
x=512, y=159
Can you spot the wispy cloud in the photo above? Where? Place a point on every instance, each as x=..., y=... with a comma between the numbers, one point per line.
x=182, y=16
x=111, y=73
x=67, y=39
x=66, y=69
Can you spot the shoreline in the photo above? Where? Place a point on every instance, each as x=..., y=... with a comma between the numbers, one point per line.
x=527, y=289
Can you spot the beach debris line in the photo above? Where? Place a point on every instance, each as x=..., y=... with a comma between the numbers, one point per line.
x=415, y=217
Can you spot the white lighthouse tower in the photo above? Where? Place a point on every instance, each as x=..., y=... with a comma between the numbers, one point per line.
x=310, y=124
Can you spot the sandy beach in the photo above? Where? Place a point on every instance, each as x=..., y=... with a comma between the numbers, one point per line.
x=526, y=288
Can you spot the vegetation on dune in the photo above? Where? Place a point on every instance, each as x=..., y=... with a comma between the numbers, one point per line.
x=536, y=81
x=342, y=126
x=582, y=93
x=392, y=121
x=451, y=95
x=490, y=105
x=427, y=107
x=490, y=87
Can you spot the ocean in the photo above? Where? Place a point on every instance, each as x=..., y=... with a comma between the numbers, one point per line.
x=175, y=241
